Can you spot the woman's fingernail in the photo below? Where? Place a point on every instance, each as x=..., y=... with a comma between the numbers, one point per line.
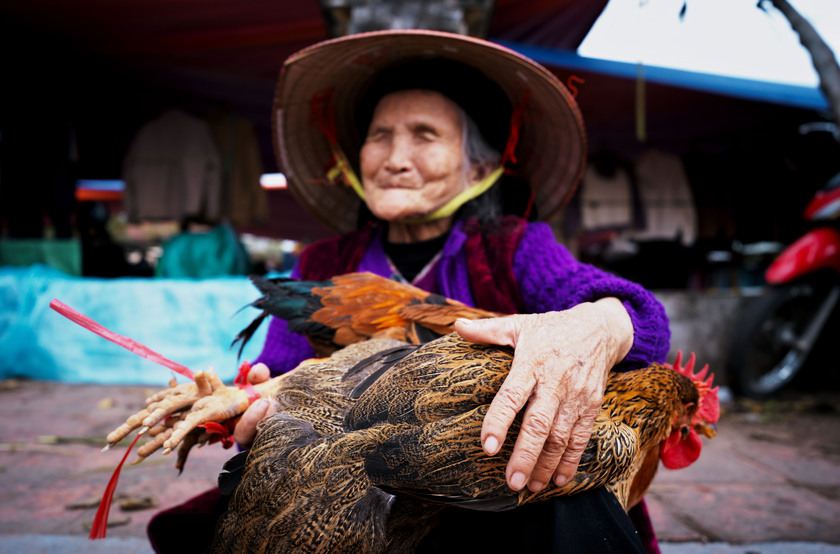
x=491, y=445
x=517, y=481
x=464, y=321
x=560, y=480
x=536, y=486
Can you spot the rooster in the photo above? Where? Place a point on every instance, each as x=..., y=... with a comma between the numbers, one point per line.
x=368, y=441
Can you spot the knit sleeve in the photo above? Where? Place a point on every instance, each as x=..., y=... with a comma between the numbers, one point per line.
x=283, y=350
x=550, y=278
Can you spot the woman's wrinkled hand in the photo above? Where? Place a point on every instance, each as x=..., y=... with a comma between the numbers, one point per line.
x=560, y=368
x=246, y=428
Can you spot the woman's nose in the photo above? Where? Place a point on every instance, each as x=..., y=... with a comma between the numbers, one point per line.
x=399, y=157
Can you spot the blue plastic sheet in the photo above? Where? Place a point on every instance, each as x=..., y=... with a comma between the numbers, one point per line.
x=191, y=322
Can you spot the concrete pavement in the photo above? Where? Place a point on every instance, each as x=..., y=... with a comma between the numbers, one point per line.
x=769, y=483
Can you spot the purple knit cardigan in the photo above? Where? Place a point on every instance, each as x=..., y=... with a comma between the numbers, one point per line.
x=547, y=275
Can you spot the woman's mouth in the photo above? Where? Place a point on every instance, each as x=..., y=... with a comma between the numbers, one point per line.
x=397, y=186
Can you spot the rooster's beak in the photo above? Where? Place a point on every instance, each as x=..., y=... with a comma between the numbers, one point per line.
x=708, y=430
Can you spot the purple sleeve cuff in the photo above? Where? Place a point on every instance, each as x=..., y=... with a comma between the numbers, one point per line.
x=283, y=350
x=559, y=282
x=651, y=335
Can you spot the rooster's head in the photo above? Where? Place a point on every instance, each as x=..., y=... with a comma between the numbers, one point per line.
x=682, y=447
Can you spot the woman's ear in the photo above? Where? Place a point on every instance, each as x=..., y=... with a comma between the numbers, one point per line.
x=479, y=171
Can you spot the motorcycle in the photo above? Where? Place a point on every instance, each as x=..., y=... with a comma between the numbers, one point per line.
x=777, y=332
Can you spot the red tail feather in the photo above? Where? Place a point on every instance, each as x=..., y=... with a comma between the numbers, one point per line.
x=100, y=521
x=125, y=342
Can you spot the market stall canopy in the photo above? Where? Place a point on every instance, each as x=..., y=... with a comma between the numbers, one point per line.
x=230, y=50
x=103, y=69
x=96, y=59
x=108, y=67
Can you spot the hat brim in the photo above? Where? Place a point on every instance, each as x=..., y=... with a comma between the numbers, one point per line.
x=328, y=80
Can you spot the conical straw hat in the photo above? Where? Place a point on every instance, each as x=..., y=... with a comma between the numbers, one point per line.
x=320, y=88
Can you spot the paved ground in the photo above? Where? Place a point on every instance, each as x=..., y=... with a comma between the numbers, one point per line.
x=769, y=483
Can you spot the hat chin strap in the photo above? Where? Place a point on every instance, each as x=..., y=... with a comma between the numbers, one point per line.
x=342, y=168
x=459, y=200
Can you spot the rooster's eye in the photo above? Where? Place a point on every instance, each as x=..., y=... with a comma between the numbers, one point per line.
x=684, y=430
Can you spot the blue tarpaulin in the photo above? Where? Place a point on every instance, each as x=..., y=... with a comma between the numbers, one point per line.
x=189, y=321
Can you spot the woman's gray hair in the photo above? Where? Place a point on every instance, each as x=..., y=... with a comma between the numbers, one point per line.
x=478, y=152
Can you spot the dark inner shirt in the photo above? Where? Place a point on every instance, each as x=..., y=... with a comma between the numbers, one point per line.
x=410, y=258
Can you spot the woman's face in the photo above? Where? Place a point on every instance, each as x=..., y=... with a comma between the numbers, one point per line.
x=412, y=159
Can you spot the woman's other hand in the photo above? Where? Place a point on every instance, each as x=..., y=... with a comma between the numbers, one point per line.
x=246, y=428
x=560, y=368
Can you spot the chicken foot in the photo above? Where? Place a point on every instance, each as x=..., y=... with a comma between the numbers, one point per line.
x=174, y=413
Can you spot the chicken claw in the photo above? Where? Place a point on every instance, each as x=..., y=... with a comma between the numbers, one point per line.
x=223, y=404
x=174, y=416
x=158, y=435
x=200, y=437
x=167, y=402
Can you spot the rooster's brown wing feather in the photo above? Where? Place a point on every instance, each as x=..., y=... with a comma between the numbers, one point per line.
x=354, y=307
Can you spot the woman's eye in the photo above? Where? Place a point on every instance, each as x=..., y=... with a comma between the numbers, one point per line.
x=375, y=137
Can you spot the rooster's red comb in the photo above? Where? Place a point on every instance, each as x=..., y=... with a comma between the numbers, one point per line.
x=709, y=409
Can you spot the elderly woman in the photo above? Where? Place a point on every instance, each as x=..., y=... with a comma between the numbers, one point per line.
x=451, y=144
x=433, y=154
